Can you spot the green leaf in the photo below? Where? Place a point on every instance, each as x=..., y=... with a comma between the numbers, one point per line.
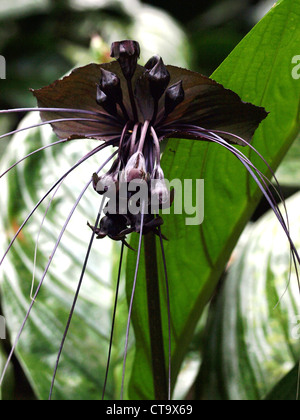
x=253, y=332
x=260, y=71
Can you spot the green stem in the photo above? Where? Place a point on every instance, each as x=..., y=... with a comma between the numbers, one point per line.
x=154, y=315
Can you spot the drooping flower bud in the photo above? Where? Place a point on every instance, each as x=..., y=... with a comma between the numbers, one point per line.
x=106, y=102
x=104, y=183
x=135, y=168
x=111, y=225
x=108, y=181
x=127, y=53
x=158, y=76
x=110, y=85
x=173, y=97
x=159, y=191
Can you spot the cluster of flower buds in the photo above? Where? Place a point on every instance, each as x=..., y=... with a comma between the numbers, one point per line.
x=135, y=108
x=130, y=194
x=140, y=107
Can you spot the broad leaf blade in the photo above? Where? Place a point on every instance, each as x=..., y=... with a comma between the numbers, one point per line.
x=259, y=70
x=253, y=333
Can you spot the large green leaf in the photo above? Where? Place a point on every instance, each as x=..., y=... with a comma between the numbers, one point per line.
x=259, y=70
x=253, y=330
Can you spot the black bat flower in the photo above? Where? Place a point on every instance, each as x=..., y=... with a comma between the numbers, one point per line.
x=134, y=108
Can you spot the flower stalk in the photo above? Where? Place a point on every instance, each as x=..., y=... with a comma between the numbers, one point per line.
x=160, y=381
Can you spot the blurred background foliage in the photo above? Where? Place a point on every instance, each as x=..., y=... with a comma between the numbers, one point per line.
x=43, y=39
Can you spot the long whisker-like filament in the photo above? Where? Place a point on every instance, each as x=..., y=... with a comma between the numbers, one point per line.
x=264, y=178
x=79, y=111
x=212, y=136
x=75, y=299
x=261, y=181
x=54, y=144
x=39, y=286
x=69, y=110
x=265, y=193
x=96, y=150
x=202, y=131
x=52, y=122
x=35, y=151
x=113, y=319
x=279, y=192
x=38, y=237
x=131, y=299
x=48, y=265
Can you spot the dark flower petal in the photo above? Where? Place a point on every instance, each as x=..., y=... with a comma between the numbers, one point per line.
x=173, y=97
x=78, y=91
x=191, y=99
x=144, y=98
x=126, y=48
x=106, y=102
x=127, y=53
x=110, y=85
x=209, y=105
x=158, y=76
x=112, y=225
